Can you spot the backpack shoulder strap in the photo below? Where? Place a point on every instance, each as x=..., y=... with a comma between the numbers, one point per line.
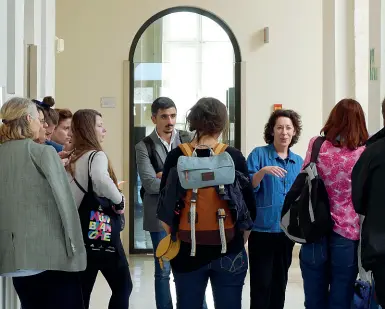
x=220, y=148
x=187, y=149
x=316, y=148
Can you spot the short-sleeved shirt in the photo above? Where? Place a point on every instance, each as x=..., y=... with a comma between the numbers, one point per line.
x=271, y=192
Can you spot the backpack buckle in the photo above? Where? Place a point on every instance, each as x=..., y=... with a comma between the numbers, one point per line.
x=221, y=190
x=221, y=214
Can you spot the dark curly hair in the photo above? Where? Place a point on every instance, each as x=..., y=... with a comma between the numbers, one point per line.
x=288, y=113
x=207, y=117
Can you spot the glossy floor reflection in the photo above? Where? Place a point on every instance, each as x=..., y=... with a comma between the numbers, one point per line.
x=142, y=272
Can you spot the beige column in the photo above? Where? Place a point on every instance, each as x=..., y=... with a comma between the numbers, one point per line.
x=15, y=48
x=374, y=88
x=48, y=47
x=329, y=78
x=344, y=49
x=368, y=60
x=338, y=53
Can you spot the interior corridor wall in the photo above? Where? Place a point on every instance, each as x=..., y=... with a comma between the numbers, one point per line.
x=287, y=70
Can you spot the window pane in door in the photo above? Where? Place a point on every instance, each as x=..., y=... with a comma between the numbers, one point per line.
x=180, y=76
x=182, y=26
x=217, y=69
x=212, y=32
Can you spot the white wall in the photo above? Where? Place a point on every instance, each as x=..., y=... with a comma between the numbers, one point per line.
x=24, y=22
x=287, y=70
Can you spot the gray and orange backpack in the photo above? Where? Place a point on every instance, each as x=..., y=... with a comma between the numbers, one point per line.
x=205, y=218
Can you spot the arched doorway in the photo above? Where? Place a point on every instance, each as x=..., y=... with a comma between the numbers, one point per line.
x=155, y=71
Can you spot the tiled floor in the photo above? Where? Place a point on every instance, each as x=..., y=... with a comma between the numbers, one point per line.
x=142, y=272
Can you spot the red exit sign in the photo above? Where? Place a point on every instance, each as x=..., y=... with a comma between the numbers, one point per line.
x=277, y=106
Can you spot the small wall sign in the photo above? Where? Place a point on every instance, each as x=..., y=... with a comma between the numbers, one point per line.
x=277, y=106
x=108, y=102
x=373, y=69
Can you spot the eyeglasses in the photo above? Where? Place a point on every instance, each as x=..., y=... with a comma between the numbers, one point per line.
x=42, y=121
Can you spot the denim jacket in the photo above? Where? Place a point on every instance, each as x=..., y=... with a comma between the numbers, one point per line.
x=271, y=192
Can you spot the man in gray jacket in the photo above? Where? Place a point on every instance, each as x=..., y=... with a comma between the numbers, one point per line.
x=151, y=153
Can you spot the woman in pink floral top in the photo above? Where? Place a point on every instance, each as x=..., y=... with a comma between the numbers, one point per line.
x=330, y=267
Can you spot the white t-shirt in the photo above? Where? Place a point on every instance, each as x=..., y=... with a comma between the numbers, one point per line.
x=101, y=181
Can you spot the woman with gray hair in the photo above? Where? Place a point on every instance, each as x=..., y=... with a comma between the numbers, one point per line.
x=41, y=243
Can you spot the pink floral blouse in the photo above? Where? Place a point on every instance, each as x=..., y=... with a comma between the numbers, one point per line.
x=335, y=166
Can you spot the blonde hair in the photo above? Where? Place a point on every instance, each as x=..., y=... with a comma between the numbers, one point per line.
x=15, y=124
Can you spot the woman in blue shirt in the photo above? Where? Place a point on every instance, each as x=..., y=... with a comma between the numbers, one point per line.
x=273, y=169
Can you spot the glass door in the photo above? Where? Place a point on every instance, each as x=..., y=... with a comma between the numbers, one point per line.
x=184, y=56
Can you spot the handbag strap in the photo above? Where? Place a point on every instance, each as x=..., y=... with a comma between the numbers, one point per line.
x=90, y=160
x=316, y=148
x=89, y=186
x=80, y=186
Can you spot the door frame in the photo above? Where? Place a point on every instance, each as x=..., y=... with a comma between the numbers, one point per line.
x=237, y=98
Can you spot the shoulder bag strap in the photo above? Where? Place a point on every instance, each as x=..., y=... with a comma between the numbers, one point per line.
x=79, y=186
x=90, y=160
x=316, y=148
x=150, y=146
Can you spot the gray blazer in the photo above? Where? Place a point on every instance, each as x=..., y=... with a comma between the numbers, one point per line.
x=149, y=181
x=39, y=222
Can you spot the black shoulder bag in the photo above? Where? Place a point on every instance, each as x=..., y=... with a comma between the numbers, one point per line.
x=100, y=224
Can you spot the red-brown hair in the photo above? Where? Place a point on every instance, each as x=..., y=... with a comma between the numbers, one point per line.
x=84, y=139
x=346, y=126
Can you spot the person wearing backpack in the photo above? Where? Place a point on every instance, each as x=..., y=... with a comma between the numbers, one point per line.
x=151, y=153
x=273, y=169
x=208, y=230
x=330, y=265
x=100, y=206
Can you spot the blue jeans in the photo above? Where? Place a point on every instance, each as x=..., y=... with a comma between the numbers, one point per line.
x=162, y=276
x=329, y=271
x=227, y=276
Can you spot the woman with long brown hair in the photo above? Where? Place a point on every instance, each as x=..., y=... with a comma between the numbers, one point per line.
x=330, y=266
x=100, y=202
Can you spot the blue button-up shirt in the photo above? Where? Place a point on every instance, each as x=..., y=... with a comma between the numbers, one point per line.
x=57, y=146
x=270, y=193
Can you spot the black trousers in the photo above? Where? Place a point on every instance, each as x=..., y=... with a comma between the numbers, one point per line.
x=115, y=270
x=379, y=282
x=50, y=289
x=270, y=256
